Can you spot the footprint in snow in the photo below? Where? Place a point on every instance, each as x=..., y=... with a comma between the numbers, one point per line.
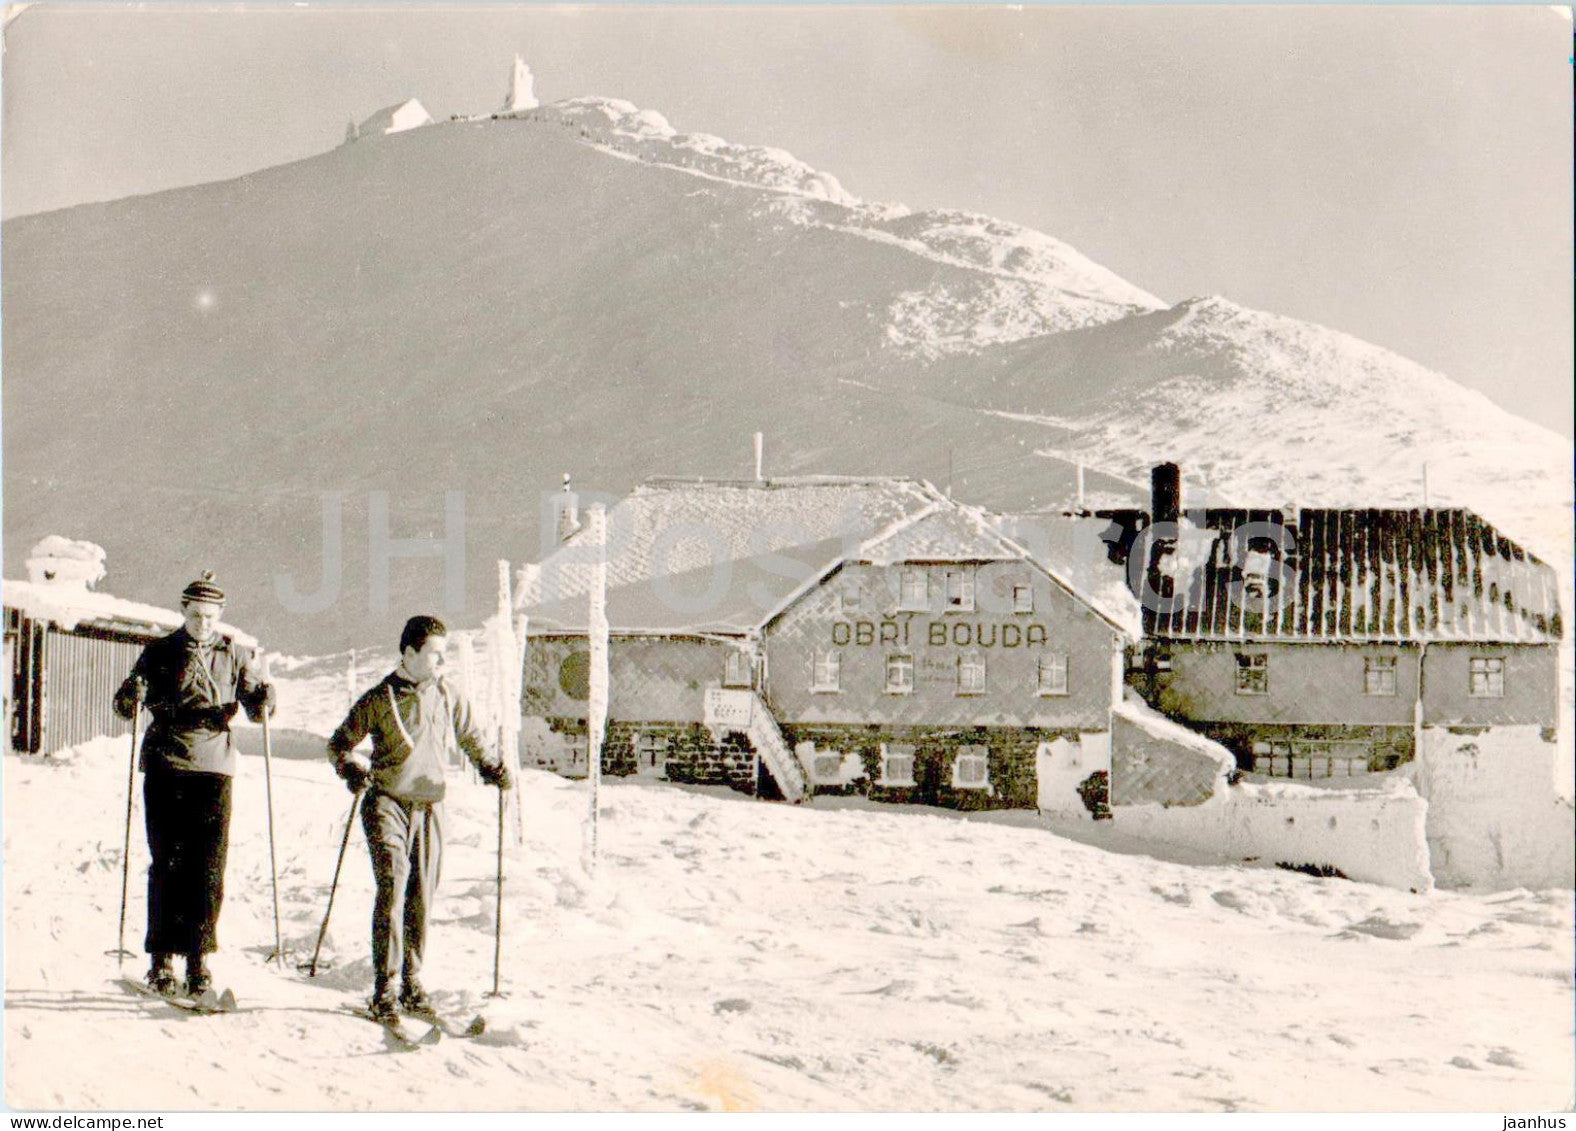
x=1464, y=1062
x=1504, y=1058
x=900, y=987
x=1377, y=926
x=1060, y=1095
x=1230, y=899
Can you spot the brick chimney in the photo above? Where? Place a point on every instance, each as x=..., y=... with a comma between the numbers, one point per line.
x=1165, y=493
x=1165, y=508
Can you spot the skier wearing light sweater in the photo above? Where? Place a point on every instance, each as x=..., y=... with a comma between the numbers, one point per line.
x=416, y=721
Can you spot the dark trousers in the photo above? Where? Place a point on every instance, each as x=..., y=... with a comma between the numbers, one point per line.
x=406, y=843
x=188, y=821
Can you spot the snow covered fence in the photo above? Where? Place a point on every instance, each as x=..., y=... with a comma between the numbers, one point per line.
x=1375, y=835
x=1494, y=817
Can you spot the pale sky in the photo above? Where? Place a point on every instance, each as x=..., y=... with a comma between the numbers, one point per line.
x=1402, y=174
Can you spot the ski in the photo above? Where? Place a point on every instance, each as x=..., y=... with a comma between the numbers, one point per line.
x=475, y=1027
x=397, y=1030
x=208, y=1002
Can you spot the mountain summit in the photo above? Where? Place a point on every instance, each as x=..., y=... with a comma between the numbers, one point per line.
x=419, y=332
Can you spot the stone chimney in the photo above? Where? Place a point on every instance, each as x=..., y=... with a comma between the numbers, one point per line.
x=65, y=562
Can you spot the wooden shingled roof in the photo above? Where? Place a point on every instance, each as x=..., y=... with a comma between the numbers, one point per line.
x=1363, y=575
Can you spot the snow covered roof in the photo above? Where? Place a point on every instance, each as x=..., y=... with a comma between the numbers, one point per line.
x=1074, y=550
x=1146, y=718
x=69, y=607
x=946, y=532
x=1367, y=574
x=725, y=557
x=393, y=119
x=698, y=555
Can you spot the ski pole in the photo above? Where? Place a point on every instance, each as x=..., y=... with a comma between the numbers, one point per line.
x=121, y=952
x=311, y=968
x=498, y=913
x=268, y=790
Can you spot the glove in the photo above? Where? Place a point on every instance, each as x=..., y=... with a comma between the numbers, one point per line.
x=497, y=775
x=132, y=693
x=263, y=698
x=354, y=774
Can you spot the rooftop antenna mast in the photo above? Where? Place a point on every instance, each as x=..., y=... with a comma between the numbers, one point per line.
x=759, y=440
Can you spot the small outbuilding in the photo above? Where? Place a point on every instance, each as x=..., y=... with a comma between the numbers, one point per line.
x=68, y=647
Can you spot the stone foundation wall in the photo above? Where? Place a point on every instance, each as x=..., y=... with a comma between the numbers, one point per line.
x=1012, y=780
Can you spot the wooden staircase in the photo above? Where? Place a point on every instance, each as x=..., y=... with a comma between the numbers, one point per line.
x=746, y=711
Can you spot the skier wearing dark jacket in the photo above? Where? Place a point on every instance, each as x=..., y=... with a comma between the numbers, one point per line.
x=416, y=721
x=191, y=682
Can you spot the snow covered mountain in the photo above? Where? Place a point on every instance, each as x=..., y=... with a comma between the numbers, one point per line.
x=1263, y=409
x=203, y=378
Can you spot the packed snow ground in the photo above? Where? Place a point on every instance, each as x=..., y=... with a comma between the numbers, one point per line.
x=734, y=954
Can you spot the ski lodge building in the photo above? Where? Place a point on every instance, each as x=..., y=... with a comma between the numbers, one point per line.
x=1325, y=642
x=827, y=634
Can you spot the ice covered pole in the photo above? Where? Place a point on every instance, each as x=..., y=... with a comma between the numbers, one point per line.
x=596, y=704
x=504, y=649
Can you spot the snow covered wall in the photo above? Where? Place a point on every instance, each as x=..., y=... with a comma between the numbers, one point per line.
x=1494, y=818
x=1169, y=785
x=1373, y=835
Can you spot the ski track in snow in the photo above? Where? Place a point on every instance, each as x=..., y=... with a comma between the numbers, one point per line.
x=734, y=955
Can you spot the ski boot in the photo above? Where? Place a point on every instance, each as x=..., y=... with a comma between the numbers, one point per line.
x=384, y=1007
x=161, y=978
x=413, y=999
x=198, y=980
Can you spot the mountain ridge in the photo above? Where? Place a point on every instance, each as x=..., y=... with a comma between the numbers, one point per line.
x=478, y=305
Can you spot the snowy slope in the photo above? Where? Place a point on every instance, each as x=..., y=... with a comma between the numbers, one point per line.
x=1040, y=284
x=1260, y=409
x=738, y=955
